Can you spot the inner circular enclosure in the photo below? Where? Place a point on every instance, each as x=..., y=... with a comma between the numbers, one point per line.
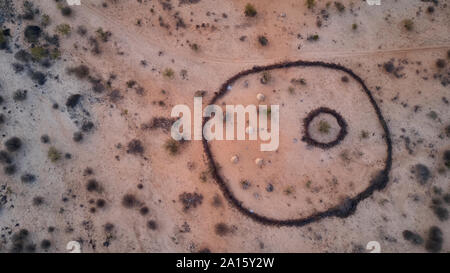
x=324, y=128
x=299, y=182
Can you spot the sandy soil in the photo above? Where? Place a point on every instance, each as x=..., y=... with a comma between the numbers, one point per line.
x=150, y=38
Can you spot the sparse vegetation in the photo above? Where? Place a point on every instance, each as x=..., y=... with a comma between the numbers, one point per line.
x=10, y=169
x=13, y=144
x=310, y=3
x=339, y=6
x=324, y=127
x=222, y=229
x=77, y=136
x=66, y=11
x=169, y=73
x=440, y=63
x=64, y=29
x=263, y=40
x=81, y=71
x=435, y=239
x=289, y=190
x=408, y=24
x=38, y=53
x=45, y=20
x=129, y=201
x=412, y=237
x=152, y=225
x=28, y=178
x=172, y=146
x=195, y=47
x=53, y=154
x=422, y=172
x=245, y=184
x=250, y=10
x=135, y=147
x=446, y=158
x=5, y=158
x=73, y=100
x=291, y=90
x=190, y=200
x=20, y=95
x=313, y=37
x=45, y=244
x=364, y=134
x=92, y=185
x=38, y=200
x=32, y=33
x=144, y=211
x=103, y=35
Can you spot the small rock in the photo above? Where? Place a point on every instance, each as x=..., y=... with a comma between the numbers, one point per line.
x=260, y=97
x=259, y=161
x=234, y=159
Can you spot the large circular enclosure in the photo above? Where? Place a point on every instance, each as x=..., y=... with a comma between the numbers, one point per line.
x=334, y=145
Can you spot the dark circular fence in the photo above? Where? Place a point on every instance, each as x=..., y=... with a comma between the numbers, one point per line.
x=348, y=206
x=324, y=145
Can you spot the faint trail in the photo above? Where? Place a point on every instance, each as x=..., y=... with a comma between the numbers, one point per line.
x=143, y=43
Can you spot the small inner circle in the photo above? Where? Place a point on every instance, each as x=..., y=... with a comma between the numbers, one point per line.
x=324, y=128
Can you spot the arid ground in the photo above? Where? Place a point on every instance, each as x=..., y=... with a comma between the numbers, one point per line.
x=86, y=154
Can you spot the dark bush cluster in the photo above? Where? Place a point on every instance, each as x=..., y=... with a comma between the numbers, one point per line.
x=435, y=239
x=152, y=225
x=77, y=136
x=159, y=123
x=21, y=242
x=81, y=71
x=263, y=40
x=32, y=33
x=20, y=95
x=87, y=126
x=135, y=147
x=129, y=201
x=73, y=100
x=412, y=237
x=10, y=169
x=250, y=10
x=28, y=178
x=5, y=158
x=93, y=185
x=144, y=210
x=222, y=229
x=190, y=200
x=66, y=11
x=13, y=144
x=422, y=172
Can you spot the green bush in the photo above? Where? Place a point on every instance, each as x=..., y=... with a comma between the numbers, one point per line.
x=39, y=53
x=53, y=154
x=250, y=10
x=310, y=3
x=169, y=73
x=64, y=29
